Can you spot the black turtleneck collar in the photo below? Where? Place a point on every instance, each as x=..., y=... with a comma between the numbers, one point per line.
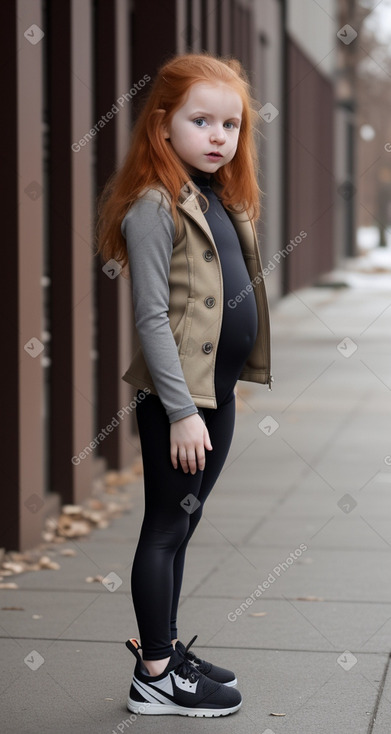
x=201, y=179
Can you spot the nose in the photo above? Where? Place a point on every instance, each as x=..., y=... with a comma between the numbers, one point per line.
x=218, y=134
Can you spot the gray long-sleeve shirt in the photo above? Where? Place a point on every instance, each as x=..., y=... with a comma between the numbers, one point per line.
x=149, y=230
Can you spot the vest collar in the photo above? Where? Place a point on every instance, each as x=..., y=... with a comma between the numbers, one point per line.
x=187, y=202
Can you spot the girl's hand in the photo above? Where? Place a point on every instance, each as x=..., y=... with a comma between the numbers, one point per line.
x=189, y=436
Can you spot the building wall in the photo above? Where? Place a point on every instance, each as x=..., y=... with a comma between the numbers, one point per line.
x=67, y=323
x=312, y=27
x=72, y=334
x=309, y=141
x=67, y=65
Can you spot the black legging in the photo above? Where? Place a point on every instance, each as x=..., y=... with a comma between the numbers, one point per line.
x=168, y=525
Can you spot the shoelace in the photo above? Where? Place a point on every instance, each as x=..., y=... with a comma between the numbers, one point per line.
x=202, y=666
x=191, y=656
x=185, y=668
x=194, y=658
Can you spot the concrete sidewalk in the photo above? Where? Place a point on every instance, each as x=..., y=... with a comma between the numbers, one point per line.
x=288, y=575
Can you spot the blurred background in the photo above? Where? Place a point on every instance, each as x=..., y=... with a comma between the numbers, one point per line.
x=74, y=74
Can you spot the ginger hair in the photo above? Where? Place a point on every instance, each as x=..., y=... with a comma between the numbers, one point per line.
x=151, y=160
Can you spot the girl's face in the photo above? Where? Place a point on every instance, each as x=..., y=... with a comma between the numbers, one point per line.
x=208, y=122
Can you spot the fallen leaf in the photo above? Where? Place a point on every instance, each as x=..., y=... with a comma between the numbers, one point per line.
x=118, y=478
x=103, y=524
x=47, y=536
x=71, y=509
x=46, y=562
x=51, y=523
x=258, y=614
x=13, y=567
x=93, y=516
x=277, y=714
x=309, y=598
x=72, y=528
x=15, y=556
x=10, y=609
x=95, y=504
x=137, y=467
x=90, y=579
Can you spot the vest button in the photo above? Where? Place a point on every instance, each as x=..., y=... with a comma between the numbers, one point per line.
x=208, y=255
x=207, y=347
x=210, y=301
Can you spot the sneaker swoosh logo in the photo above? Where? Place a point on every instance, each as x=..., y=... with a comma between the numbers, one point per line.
x=149, y=693
x=166, y=686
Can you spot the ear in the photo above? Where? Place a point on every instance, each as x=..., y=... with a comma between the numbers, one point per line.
x=166, y=133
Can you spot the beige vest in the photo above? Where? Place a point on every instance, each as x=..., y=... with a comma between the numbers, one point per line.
x=196, y=304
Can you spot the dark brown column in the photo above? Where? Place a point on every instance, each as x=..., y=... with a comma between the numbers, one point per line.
x=9, y=292
x=151, y=46
x=58, y=38
x=107, y=368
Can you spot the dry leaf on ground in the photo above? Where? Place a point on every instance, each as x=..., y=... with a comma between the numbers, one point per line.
x=258, y=614
x=90, y=579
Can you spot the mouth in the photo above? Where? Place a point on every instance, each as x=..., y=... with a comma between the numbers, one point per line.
x=214, y=156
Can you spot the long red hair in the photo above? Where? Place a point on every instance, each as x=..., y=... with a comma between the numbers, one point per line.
x=152, y=160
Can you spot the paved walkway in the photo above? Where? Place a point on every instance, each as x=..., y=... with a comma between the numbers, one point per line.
x=288, y=576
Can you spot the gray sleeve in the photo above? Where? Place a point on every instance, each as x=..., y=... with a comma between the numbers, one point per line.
x=149, y=232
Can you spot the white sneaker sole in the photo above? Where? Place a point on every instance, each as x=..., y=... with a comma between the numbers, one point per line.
x=138, y=707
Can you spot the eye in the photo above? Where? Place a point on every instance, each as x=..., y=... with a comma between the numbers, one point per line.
x=198, y=119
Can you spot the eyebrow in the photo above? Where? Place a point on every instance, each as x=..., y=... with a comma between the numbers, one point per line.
x=201, y=112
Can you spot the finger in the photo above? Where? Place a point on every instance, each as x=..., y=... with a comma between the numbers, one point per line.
x=201, y=457
x=191, y=460
x=207, y=440
x=183, y=460
x=173, y=454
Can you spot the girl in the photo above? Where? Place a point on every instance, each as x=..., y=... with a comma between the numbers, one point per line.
x=181, y=212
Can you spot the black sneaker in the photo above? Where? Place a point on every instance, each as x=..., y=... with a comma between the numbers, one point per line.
x=214, y=672
x=179, y=689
